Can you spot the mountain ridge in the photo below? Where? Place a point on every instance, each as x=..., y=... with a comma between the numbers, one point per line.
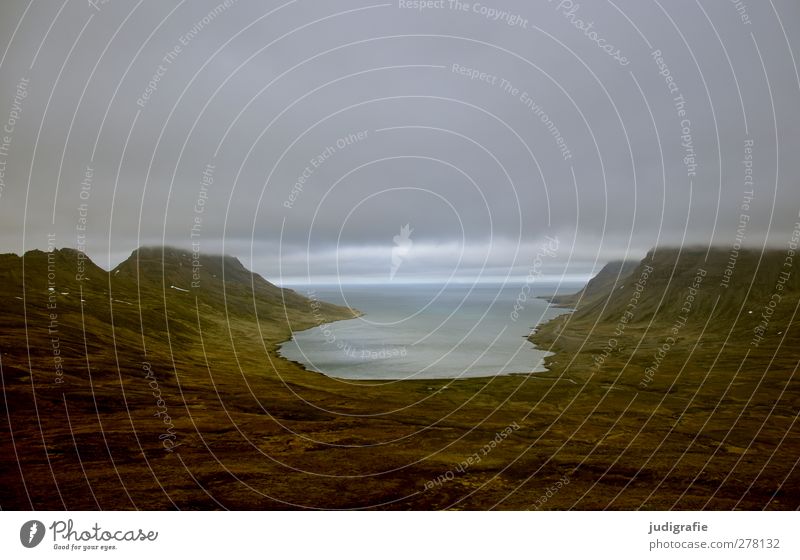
x=697, y=294
x=600, y=284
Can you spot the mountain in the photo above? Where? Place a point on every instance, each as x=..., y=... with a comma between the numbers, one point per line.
x=220, y=281
x=603, y=283
x=64, y=265
x=155, y=292
x=689, y=307
x=725, y=292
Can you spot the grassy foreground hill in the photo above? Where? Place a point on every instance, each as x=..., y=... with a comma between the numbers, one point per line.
x=135, y=388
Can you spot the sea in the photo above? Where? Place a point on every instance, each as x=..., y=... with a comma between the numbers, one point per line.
x=427, y=331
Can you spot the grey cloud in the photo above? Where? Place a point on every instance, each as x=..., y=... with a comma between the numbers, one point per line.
x=430, y=132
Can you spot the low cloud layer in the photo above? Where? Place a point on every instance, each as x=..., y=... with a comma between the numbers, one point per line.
x=303, y=137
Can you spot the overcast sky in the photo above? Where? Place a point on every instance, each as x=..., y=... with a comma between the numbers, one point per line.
x=487, y=128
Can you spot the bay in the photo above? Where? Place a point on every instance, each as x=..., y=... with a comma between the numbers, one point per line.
x=426, y=331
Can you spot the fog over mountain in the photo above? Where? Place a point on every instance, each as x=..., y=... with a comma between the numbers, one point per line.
x=512, y=138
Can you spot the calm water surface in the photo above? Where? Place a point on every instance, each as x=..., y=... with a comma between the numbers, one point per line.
x=426, y=331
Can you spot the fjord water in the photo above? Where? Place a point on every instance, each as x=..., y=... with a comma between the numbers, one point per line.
x=426, y=331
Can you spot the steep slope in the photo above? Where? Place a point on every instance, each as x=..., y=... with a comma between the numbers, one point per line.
x=724, y=290
x=697, y=304
x=219, y=281
x=63, y=269
x=603, y=283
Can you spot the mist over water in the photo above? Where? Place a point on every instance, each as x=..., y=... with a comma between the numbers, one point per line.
x=426, y=331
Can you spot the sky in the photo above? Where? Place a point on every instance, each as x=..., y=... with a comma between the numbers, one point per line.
x=361, y=141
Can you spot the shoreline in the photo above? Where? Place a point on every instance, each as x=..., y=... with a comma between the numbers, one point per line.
x=529, y=338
